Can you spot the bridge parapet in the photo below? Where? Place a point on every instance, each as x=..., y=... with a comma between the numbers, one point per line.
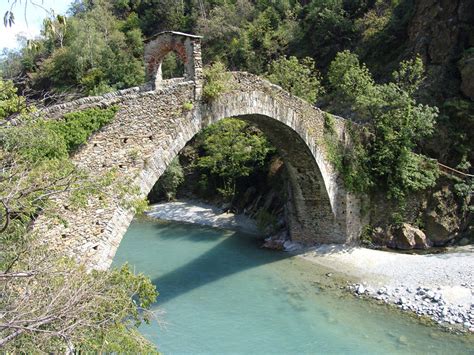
x=112, y=98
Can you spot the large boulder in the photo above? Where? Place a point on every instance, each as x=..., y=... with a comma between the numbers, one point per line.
x=274, y=244
x=406, y=236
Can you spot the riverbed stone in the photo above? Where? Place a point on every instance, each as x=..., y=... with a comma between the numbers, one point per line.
x=408, y=237
x=274, y=244
x=360, y=289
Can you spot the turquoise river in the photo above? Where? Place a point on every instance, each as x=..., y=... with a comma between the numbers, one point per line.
x=221, y=294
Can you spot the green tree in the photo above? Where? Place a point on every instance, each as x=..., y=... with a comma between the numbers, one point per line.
x=224, y=25
x=397, y=122
x=351, y=81
x=232, y=149
x=326, y=29
x=54, y=29
x=266, y=38
x=299, y=77
x=94, y=55
x=172, y=66
x=10, y=102
x=169, y=182
x=161, y=15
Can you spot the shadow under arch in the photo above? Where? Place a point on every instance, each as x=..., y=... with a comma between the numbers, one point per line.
x=310, y=214
x=316, y=198
x=311, y=217
x=171, y=285
x=322, y=210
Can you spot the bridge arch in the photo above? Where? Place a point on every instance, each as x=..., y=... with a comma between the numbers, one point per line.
x=150, y=129
x=313, y=211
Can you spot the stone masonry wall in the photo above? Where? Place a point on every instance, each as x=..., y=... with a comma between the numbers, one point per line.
x=151, y=127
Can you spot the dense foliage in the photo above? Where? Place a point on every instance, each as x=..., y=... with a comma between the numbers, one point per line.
x=169, y=182
x=300, y=78
x=50, y=303
x=92, y=52
x=396, y=123
x=98, y=47
x=231, y=149
x=10, y=102
x=242, y=34
x=76, y=127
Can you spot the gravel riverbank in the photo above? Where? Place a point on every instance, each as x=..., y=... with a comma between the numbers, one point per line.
x=440, y=286
x=201, y=213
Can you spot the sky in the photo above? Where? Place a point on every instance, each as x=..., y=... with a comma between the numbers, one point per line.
x=34, y=19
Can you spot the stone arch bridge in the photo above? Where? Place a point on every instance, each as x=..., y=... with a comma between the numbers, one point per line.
x=154, y=123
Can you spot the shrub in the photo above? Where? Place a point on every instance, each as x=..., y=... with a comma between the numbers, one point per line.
x=464, y=188
x=76, y=127
x=216, y=81
x=10, y=102
x=188, y=106
x=350, y=161
x=299, y=77
x=396, y=123
x=170, y=180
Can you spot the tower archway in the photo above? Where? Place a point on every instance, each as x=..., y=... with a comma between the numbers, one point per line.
x=186, y=46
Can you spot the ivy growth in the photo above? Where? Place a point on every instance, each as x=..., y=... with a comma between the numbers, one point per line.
x=349, y=161
x=76, y=127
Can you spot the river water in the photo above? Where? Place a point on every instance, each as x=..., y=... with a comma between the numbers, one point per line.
x=221, y=294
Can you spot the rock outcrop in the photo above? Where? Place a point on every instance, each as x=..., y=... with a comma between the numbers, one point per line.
x=442, y=219
x=403, y=237
x=441, y=31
